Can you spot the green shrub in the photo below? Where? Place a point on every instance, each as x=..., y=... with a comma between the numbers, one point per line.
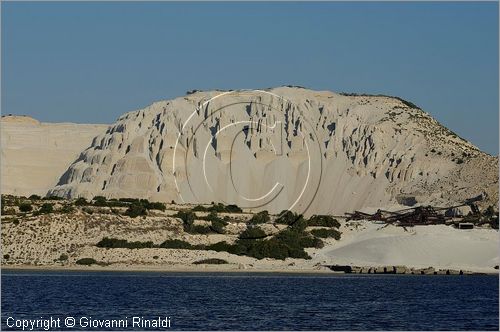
x=299, y=225
x=211, y=261
x=212, y=216
x=25, y=207
x=46, y=208
x=217, y=224
x=296, y=238
x=111, y=243
x=63, y=257
x=200, y=229
x=144, y=202
x=219, y=207
x=287, y=218
x=252, y=233
x=233, y=208
x=86, y=261
x=156, y=206
x=35, y=197
x=200, y=208
x=187, y=218
x=52, y=198
x=326, y=233
x=88, y=210
x=322, y=220
x=260, y=218
x=271, y=248
x=103, y=201
x=119, y=243
x=100, y=201
x=310, y=242
x=6, y=256
x=135, y=210
x=221, y=246
x=80, y=201
x=290, y=242
x=67, y=208
x=176, y=244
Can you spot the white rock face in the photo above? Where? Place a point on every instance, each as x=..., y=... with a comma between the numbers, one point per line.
x=311, y=151
x=35, y=155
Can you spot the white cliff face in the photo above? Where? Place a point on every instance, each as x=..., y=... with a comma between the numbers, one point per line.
x=34, y=154
x=313, y=152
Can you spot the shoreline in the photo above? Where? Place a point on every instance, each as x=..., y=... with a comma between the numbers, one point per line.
x=185, y=269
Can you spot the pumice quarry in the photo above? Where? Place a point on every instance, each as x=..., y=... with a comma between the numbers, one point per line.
x=283, y=179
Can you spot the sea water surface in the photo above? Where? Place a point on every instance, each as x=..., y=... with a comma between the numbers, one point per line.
x=254, y=301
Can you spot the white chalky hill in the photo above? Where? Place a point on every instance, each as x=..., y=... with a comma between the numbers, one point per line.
x=316, y=152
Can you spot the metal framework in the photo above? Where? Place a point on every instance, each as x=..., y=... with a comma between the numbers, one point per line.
x=420, y=215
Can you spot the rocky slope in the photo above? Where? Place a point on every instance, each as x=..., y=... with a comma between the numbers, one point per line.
x=35, y=154
x=284, y=148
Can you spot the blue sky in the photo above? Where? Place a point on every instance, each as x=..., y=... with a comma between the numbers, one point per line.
x=91, y=62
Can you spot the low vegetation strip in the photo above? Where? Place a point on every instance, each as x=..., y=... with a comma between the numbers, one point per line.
x=288, y=243
x=253, y=242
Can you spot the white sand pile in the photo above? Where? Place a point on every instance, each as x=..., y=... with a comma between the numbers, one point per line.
x=438, y=246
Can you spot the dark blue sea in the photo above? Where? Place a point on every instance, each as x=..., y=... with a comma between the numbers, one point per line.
x=189, y=301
